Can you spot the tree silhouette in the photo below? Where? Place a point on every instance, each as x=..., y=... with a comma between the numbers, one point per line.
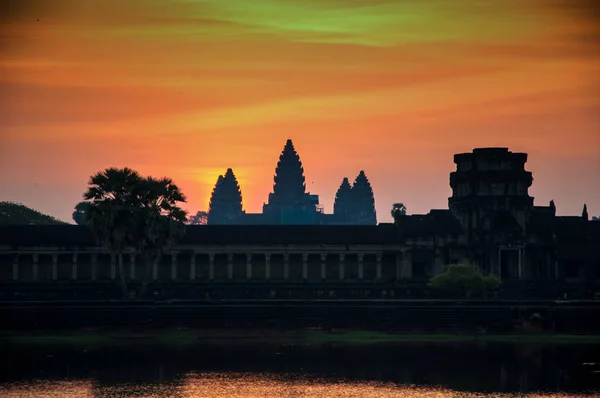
x=112, y=198
x=158, y=221
x=79, y=214
x=200, y=218
x=128, y=211
x=398, y=209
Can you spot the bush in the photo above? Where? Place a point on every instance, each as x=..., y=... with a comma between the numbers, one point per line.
x=464, y=280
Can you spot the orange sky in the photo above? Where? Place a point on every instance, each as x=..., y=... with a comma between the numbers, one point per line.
x=188, y=88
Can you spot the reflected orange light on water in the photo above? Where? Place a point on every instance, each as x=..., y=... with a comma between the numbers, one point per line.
x=244, y=385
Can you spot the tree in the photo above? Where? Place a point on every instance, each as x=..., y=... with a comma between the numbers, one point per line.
x=79, y=214
x=398, y=209
x=128, y=211
x=159, y=221
x=200, y=218
x=112, y=198
x=464, y=280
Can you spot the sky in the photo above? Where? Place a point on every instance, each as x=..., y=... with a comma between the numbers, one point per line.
x=188, y=88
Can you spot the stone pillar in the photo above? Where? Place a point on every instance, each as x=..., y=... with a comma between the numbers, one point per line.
x=378, y=267
x=113, y=265
x=193, y=266
x=34, y=275
x=132, y=266
x=54, y=267
x=286, y=266
x=361, y=266
x=406, y=263
x=94, y=261
x=173, y=266
x=520, y=270
x=268, y=266
x=74, y=267
x=342, y=266
x=230, y=266
x=398, y=266
x=211, y=266
x=323, y=266
x=305, y=266
x=15, y=268
x=248, y=266
x=154, y=269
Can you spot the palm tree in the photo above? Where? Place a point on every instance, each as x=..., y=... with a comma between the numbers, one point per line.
x=112, y=199
x=159, y=221
x=398, y=209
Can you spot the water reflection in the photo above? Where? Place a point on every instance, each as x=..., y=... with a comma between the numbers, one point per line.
x=233, y=370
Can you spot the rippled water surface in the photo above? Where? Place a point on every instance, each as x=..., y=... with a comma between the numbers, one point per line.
x=384, y=370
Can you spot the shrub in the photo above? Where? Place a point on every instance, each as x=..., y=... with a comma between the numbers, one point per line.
x=464, y=280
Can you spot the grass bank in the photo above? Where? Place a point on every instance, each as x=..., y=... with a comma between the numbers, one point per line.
x=187, y=338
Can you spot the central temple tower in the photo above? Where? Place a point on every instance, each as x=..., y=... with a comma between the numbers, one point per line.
x=289, y=203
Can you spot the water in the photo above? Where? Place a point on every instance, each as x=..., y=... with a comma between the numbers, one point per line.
x=319, y=370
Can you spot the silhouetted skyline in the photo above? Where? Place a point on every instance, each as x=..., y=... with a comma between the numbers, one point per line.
x=189, y=89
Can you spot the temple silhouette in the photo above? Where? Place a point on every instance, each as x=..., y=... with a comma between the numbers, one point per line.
x=491, y=220
x=290, y=203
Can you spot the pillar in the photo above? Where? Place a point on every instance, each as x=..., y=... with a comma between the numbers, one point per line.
x=35, y=268
x=520, y=270
x=211, y=266
x=342, y=266
x=230, y=266
x=132, y=266
x=193, y=266
x=15, y=267
x=323, y=266
x=304, y=266
x=94, y=270
x=286, y=266
x=155, y=269
x=398, y=266
x=173, y=266
x=113, y=266
x=268, y=266
x=406, y=263
x=378, y=267
x=248, y=266
x=54, y=267
x=74, y=267
x=360, y=265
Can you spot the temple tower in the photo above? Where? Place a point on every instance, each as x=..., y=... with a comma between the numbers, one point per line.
x=363, y=201
x=225, y=205
x=289, y=183
x=490, y=197
x=490, y=181
x=342, y=206
x=289, y=203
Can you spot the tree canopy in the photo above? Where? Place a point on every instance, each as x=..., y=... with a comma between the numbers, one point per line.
x=19, y=214
x=398, y=209
x=127, y=211
x=464, y=280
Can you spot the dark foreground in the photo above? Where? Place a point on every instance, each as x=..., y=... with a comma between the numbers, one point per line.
x=409, y=316
x=297, y=368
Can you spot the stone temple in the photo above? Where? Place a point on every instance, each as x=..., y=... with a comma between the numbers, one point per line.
x=290, y=203
x=491, y=220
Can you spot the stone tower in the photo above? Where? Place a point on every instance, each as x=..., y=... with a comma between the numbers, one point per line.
x=342, y=207
x=490, y=191
x=363, y=201
x=289, y=183
x=225, y=205
x=289, y=203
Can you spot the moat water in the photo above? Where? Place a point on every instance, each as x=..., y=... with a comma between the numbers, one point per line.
x=312, y=370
